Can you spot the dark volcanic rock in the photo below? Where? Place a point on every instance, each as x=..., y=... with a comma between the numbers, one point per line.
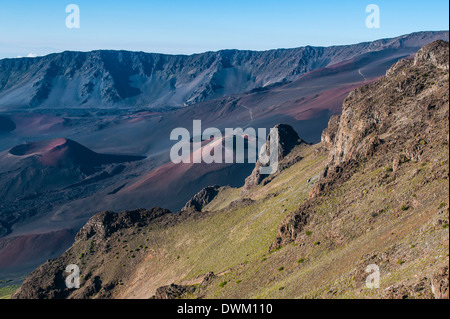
x=292, y=226
x=407, y=291
x=380, y=115
x=402, y=115
x=202, y=198
x=399, y=118
x=209, y=277
x=329, y=134
x=439, y=284
x=106, y=223
x=46, y=282
x=172, y=291
x=287, y=140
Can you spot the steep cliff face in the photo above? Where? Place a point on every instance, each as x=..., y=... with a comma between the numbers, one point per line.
x=136, y=79
x=286, y=141
x=104, y=224
x=390, y=133
x=412, y=100
x=329, y=134
x=399, y=118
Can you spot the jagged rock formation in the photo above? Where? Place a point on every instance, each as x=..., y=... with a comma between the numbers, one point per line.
x=46, y=282
x=100, y=235
x=172, y=291
x=287, y=140
x=202, y=198
x=292, y=226
x=104, y=224
x=439, y=284
x=408, y=97
x=329, y=133
x=397, y=119
x=402, y=114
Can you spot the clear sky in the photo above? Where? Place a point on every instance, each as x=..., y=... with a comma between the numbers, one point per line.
x=190, y=26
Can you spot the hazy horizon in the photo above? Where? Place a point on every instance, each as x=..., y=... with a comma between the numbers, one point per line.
x=30, y=28
x=225, y=49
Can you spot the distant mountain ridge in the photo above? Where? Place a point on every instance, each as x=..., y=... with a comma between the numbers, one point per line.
x=146, y=80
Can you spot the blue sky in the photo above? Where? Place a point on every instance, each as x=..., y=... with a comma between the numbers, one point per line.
x=192, y=26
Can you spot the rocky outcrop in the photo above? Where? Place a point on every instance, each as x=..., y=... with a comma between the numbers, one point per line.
x=435, y=287
x=420, y=290
x=402, y=114
x=101, y=235
x=173, y=291
x=104, y=224
x=329, y=134
x=397, y=119
x=287, y=140
x=439, y=284
x=292, y=226
x=396, y=109
x=433, y=55
x=202, y=198
x=46, y=282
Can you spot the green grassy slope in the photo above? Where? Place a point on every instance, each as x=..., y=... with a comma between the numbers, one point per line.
x=362, y=219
